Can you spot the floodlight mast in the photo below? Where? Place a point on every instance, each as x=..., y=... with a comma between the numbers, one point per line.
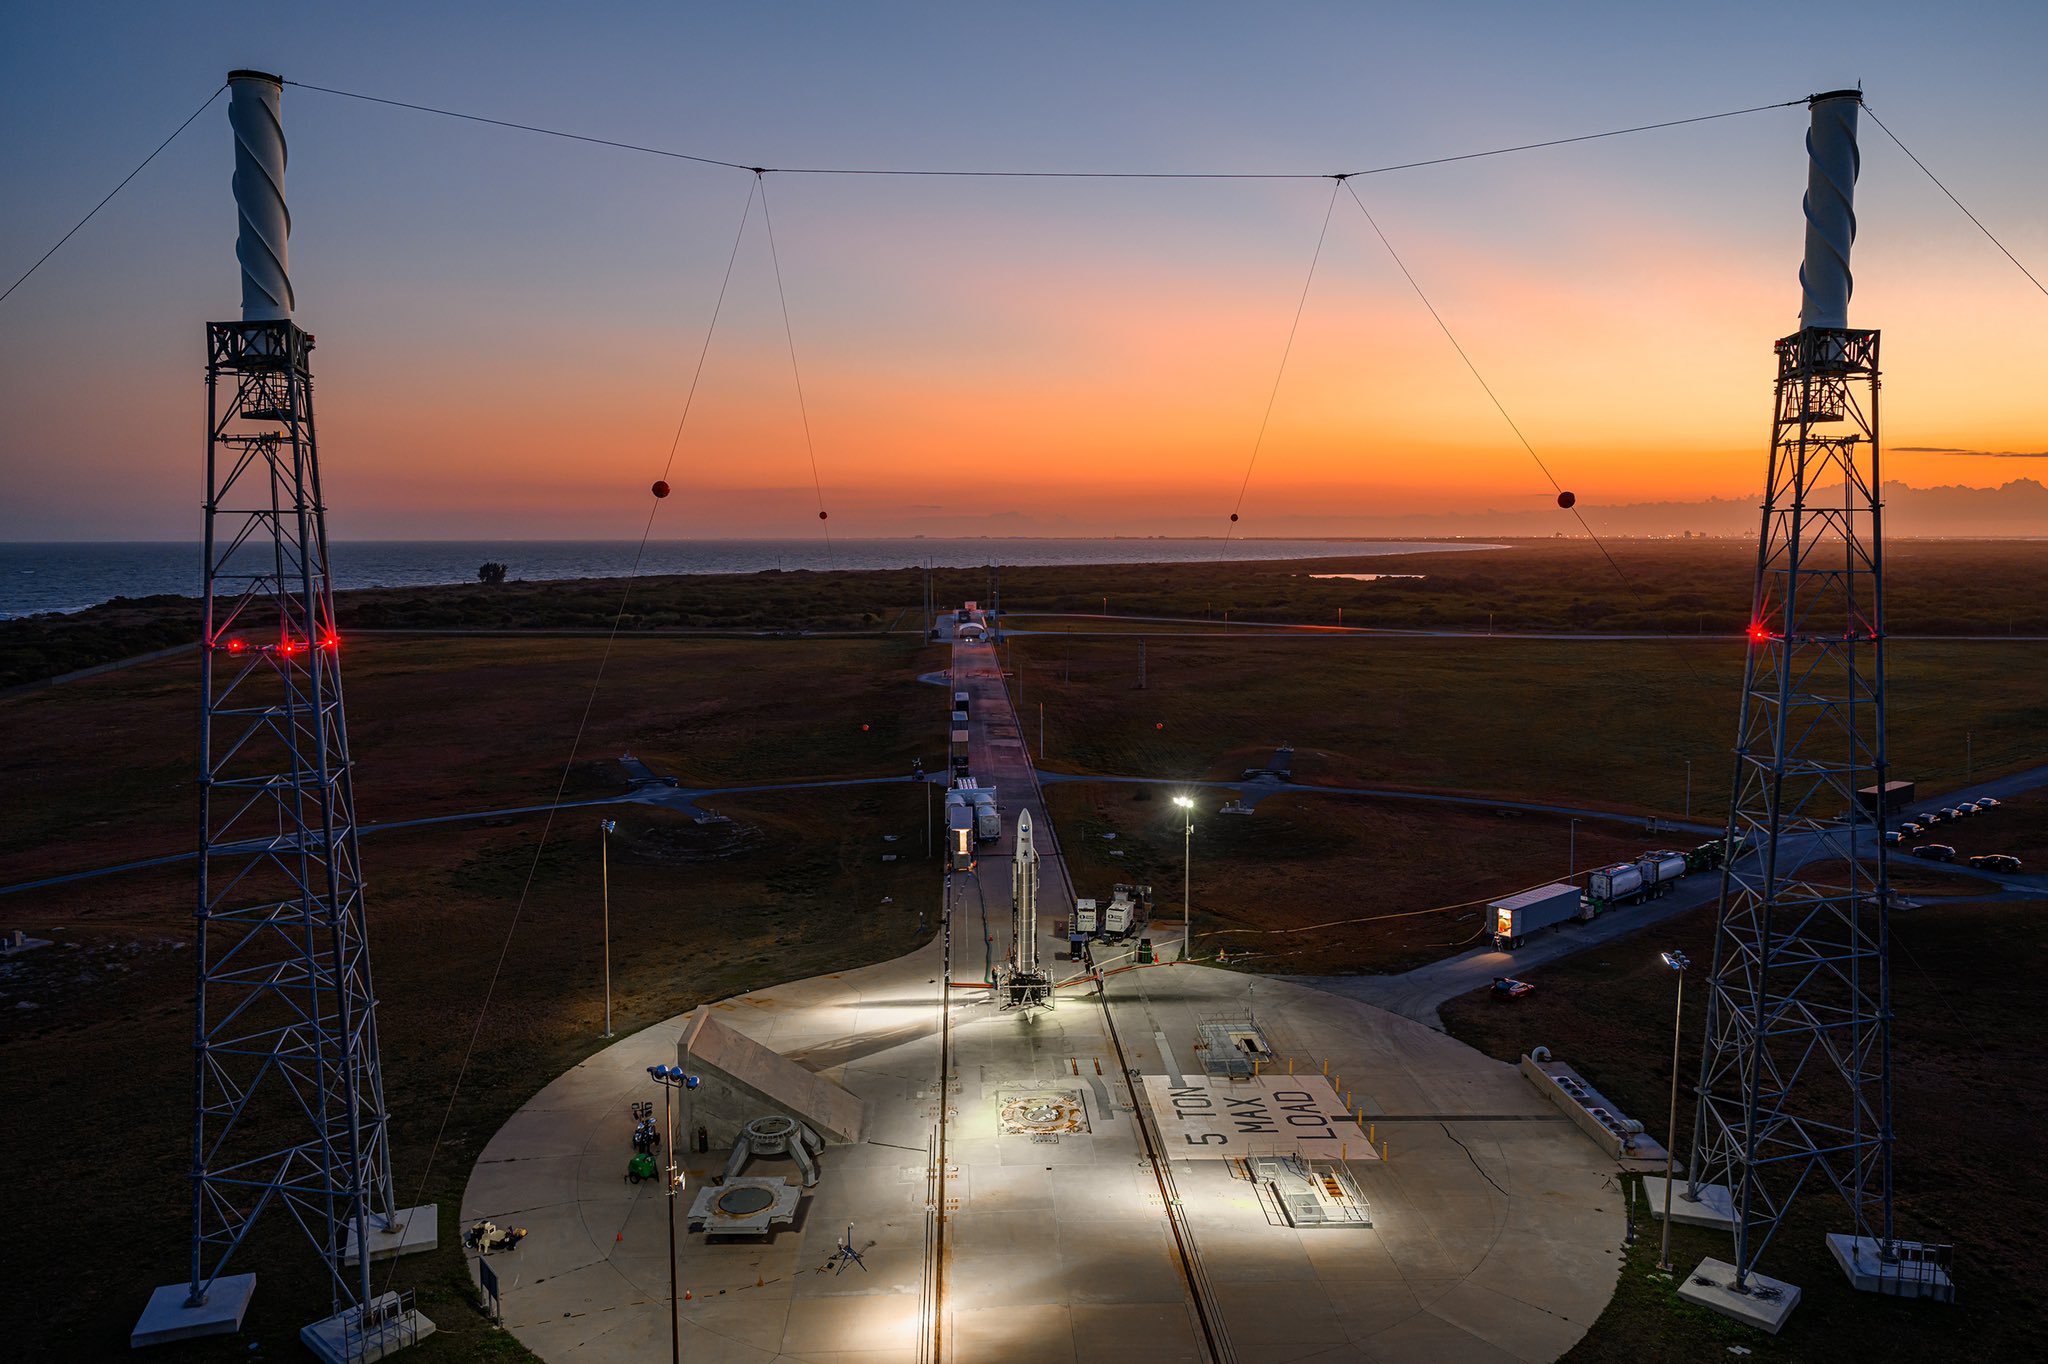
x=1795, y=1074
x=289, y=1097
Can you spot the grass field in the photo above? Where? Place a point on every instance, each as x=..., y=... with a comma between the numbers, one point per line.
x=97, y=1028
x=1967, y=1044
x=101, y=770
x=97, y=1085
x=1358, y=869
x=1605, y=724
x=1688, y=587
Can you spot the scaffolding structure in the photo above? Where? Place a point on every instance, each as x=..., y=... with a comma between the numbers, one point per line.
x=1795, y=1078
x=289, y=1100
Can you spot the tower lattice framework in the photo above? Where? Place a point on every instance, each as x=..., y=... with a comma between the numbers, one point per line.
x=289, y=1108
x=1795, y=1080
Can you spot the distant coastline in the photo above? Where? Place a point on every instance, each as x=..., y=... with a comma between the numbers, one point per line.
x=36, y=578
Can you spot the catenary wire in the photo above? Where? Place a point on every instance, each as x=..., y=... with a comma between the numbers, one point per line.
x=204, y=106
x=1957, y=202
x=941, y=172
x=1577, y=515
x=789, y=335
x=1272, y=395
x=582, y=725
x=524, y=127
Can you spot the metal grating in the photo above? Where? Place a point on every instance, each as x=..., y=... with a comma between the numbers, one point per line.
x=1310, y=1193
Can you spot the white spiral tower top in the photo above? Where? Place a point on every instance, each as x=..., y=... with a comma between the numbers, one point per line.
x=259, y=195
x=1831, y=165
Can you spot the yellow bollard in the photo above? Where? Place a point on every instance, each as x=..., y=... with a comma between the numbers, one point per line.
x=1383, y=1150
x=1343, y=1151
x=1326, y=1067
x=1290, y=1065
x=1372, y=1133
x=1255, y=1070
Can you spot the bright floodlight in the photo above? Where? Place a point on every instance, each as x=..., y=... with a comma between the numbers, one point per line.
x=1184, y=800
x=1677, y=961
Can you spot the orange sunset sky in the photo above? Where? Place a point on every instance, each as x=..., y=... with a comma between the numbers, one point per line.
x=508, y=324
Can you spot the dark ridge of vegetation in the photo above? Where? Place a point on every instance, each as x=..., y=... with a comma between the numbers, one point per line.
x=1663, y=586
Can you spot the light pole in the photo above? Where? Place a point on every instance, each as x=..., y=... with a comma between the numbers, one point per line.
x=670, y=1078
x=1676, y=961
x=1688, y=788
x=1187, y=840
x=1572, y=852
x=604, y=862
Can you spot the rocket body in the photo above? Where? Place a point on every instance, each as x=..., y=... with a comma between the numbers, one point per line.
x=1024, y=900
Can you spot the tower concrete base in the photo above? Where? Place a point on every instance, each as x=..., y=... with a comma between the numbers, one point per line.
x=167, y=1318
x=1714, y=1208
x=1766, y=1304
x=1910, y=1273
x=386, y=1326
x=413, y=1229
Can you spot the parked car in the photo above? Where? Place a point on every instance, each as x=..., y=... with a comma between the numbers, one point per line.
x=1507, y=987
x=1910, y=829
x=1987, y=803
x=1995, y=862
x=1935, y=852
x=1931, y=817
x=1956, y=811
x=1895, y=836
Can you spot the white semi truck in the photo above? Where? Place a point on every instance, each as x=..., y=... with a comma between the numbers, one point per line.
x=1517, y=916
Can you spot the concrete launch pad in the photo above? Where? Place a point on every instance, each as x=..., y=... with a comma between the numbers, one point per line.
x=1061, y=1249
x=1021, y=1185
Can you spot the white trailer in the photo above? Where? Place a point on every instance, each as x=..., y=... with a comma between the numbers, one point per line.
x=1517, y=916
x=988, y=816
x=1086, y=918
x=959, y=835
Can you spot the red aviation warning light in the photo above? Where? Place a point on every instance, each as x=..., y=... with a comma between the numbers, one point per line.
x=1759, y=633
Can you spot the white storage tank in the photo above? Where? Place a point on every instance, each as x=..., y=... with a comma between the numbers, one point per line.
x=1621, y=884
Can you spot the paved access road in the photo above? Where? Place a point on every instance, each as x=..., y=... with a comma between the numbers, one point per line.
x=1417, y=994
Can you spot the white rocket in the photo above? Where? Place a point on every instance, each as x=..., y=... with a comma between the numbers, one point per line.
x=1024, y=901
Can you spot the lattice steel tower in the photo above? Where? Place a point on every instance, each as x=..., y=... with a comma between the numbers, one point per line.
x=288, y=1093
x=1795, y=1080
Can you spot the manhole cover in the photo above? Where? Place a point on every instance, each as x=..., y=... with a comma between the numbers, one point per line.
x=744, y=1201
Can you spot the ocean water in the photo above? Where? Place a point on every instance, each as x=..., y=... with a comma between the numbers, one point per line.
x=36, y=578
